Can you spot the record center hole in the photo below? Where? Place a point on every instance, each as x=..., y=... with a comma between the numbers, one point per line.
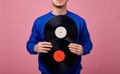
x=58, y=55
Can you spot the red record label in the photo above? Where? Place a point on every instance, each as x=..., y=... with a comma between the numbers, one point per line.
x=59, y=56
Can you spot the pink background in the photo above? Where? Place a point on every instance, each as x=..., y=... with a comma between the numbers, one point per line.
x=17, y=17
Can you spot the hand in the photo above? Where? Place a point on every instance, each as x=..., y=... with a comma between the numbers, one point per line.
x=76, y=48
x=43, y=47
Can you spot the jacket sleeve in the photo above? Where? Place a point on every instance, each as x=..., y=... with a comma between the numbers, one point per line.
x=33, y=40
x=85, y=39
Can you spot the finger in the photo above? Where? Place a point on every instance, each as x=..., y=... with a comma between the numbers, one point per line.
x=73, y=51
x=39, y=51
x=43, y=51
x=45, y=43
x=46, y=49
x=47, y=46
x=76, y=50
x=73, y=46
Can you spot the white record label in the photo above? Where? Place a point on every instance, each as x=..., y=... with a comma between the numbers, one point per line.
x=60, y=32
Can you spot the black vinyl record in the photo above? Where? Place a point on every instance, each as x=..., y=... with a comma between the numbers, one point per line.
x=54, y=66
x=60, y=31
x=63, y=23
